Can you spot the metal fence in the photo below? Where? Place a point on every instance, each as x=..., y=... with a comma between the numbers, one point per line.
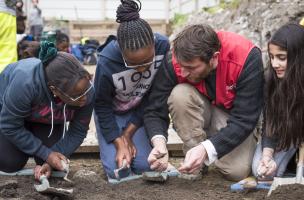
x=106, y=9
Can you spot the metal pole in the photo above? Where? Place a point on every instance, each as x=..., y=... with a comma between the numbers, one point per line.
x=196, y=6
x=167, y=10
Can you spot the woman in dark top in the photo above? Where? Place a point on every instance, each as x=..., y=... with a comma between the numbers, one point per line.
x=284, y=112
x=37, y=98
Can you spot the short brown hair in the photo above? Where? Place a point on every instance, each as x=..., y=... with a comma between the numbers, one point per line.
x=196, y=41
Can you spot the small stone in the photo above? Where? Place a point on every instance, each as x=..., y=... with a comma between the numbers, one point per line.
x=191, y=177
x=155, y=176
x=87, y=175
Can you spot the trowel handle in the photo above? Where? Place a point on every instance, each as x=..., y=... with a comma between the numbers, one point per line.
x=44, y=180
x=299, y=175
x=124, y=163
x=65, y=166
x=301, y=154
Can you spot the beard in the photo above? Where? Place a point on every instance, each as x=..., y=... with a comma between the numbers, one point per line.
x=201, y=76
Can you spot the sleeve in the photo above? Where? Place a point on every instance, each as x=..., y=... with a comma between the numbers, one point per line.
x=268, y=141
x=77, y=131
x=104, y=94
x=246, y=108
x=156, y=114
x=16, y=107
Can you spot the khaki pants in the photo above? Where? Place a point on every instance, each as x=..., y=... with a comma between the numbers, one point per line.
x=195, y=120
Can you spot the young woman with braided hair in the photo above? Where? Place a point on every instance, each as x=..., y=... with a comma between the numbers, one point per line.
x=284, y=110
x=37, y=98
x=125, y=71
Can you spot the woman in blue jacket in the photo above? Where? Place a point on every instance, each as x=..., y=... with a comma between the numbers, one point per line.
x=125, y=72
x=37, y=98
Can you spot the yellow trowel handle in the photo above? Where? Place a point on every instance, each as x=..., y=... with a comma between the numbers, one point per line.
x=299, y=175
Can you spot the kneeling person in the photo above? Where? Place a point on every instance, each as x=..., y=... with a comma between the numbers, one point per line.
x=212, y=85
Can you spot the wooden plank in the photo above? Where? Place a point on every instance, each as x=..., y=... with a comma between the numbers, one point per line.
x=174, y=149
x=90, y=144
x=101, y=29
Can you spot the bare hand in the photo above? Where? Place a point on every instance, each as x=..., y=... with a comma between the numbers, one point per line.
x=122, y=152
x=158, y=158
x=45, y=169
x=54, y=160
x=267, y=167
x=130, y=145
x=194, y=160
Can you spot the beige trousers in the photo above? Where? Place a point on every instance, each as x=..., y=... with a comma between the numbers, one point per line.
x=195, y=120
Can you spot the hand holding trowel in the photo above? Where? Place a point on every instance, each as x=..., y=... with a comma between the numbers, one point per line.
x=45, y=187
x=118, y=172
x=296, y=180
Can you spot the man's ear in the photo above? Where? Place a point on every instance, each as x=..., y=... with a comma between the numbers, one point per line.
x=214, y=59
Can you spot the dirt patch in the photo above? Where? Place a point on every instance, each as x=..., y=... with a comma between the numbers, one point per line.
x=294, y=191
x=212, y=186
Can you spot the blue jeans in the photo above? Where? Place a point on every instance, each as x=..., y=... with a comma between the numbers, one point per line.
x=108, y=151
x=12, y=159
x=281, y=158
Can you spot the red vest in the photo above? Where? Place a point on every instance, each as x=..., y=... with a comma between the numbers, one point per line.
x=233, y=54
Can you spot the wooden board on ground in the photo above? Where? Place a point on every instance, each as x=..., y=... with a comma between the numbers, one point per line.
x=90, y=143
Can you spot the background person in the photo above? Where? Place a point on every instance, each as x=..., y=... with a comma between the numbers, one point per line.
x=8, y=31
x=35, y=21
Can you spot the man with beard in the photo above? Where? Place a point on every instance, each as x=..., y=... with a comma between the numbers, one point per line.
x=212, y=86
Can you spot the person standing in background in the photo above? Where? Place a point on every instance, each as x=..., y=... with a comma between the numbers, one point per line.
x=8, y=44
x=35, y=21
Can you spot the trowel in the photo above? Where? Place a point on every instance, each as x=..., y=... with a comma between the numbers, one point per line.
x=288, y=181
x=155, y=176
x=250, y=183
x=45, y=187
x=118, y=172
x=161, y=176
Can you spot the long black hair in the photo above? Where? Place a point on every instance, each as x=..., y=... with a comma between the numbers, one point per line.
x=284, y=109
x=62, y=70
x=133, y=32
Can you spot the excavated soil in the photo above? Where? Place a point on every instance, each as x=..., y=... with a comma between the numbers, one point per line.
x=212, y=186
